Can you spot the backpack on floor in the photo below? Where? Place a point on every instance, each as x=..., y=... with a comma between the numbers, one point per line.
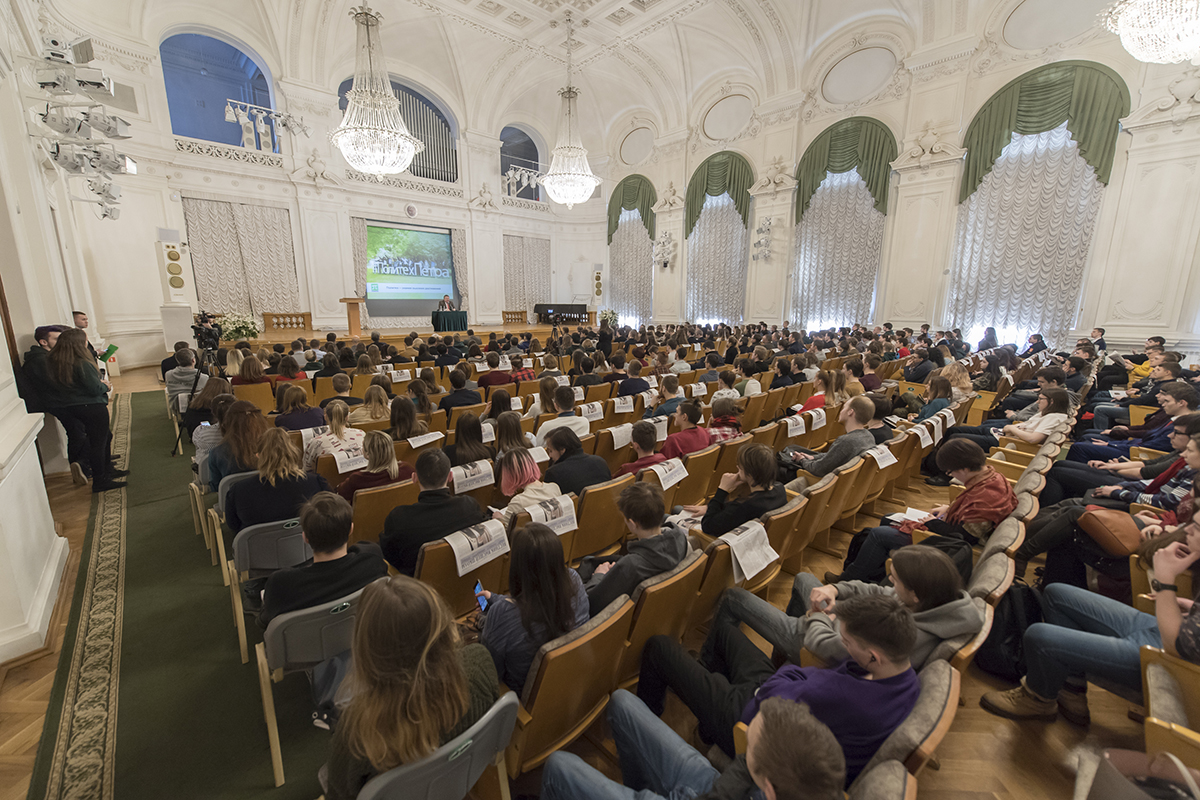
x=957, y=548
x=1003, y=652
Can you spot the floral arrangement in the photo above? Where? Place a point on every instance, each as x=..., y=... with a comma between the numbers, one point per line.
x=610, y=316
x=238, y=326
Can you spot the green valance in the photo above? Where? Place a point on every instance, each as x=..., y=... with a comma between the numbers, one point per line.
x=720, y=173
x=860, y=142
x=1089, y=97
x=634, y=191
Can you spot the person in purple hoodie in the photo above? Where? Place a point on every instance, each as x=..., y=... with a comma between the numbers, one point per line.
x=862, y=699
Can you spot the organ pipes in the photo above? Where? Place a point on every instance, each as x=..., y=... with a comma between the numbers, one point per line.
x=439, y=160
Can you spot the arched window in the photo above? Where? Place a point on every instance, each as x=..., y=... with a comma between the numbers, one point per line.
x=518, y=150
x=716, y=211
x=429, y=123
x=202, y=73
x=631, y=250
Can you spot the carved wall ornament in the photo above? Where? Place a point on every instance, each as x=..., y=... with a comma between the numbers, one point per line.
x=238, y=154
x=528, y=205
x=439, y=189
x=775, y=179
x=1182, y=103
x=926, y=150
x=668, y=200
x=1123, y=312
x=664, y=250
x=317, y=171
x=483, y=200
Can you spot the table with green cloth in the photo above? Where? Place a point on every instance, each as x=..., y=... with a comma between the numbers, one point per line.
x=449, y=320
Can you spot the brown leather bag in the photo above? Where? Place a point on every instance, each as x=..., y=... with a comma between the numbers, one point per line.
x=1115, y=531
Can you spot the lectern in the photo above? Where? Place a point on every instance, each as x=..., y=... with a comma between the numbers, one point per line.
x=352, y=314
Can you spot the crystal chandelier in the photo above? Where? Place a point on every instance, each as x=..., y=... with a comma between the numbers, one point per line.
x=570, y=179
x=1157, y=31
x=373, y=137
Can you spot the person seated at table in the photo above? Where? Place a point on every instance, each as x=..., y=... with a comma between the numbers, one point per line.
x=546, y=600
x=862, y=700
x=436, y=514
x=279, y=489
x=382, y=468
x=416, y=686
x=337, y=569
x=341, y=391
x=987, y=499
x=756, y=471
x=570, y=468
x=643, y=439
x=468, y=444
x=670, y=395
x=657, y=547
x=295, y=414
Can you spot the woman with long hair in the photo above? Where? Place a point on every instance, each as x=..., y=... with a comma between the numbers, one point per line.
x=251, y=371
x=547, y=600
x=989, y=340
x=960, y=382
x=600, y=359
x=989, y=378
x=376, y=357
x=382, y=468
x=79, y=394
x=418, y=392
x=295, y=414
x=937, y=396
x=543, y=403
x=374, y=407
x=281, y=487
x=364, y=366
x=820, y=391
x=519, y=478
x=468, y=444
x=384, y=382
x=499, y=402
x=413, y=685
x=431, y=385
x=233, y=361
x=200, y=408
x=405, y=424
x=329, y=368
x=340, y=438
x=241, y=429
x=509, y=433
x=289, y=370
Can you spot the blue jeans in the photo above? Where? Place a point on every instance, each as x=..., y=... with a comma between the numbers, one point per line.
x=1108, y=415
x=1086, y=633
x=873, y=555
x=1084, y=452
x=655, y=762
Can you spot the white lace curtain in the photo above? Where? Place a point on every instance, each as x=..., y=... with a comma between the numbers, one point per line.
x=526, y=273
x=1023, y=240
x=358, y=244
x=242, y=256
x=716, y=266
x=838, y=245
x=631, y=270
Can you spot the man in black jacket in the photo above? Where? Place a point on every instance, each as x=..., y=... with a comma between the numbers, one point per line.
x=436, y=514
x=572, y=470
x=460, y=396
x=918, y=366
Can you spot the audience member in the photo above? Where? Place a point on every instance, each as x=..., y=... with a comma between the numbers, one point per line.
x=184, y=380
x=854, y=416
x=436, y=514
x=199, y=409
x=459, y=395
x=338, y=438
x=279, y=489
x=543, y=401
x=494, y=376
x=374, y=407
x=518, y=477
x=755, y=471
x=509, y=433
x=572, y=469
x=382, y=468
x=634, y=384
x=295, y=414
x=670, y=395
x=341, y=391
x=747, y=384
x=564, y=405
x=468, y=444
x=724, y=424
x=690, y=437
x=405, y=424
x=643, y=439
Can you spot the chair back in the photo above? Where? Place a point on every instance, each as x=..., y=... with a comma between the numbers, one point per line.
x=792, y=556
x=753, y=415
x=991, y=578
x=1006, y=538
x=765, y=434
x=727, y=462
x=450, y=772
x=568, y=685
x=327, y=469
x=603, y=525
x=615, y=457
x=840, y=498
x=226, y=484
x=258, y=393
x=718, y=576
x=613, y=417
x=651, y=477
x=781, y=525
x=302, y=639
x=372, y=506
x=436, y=421
x=772, y=403
x=437, y=568
x=693, y=489
x=791, y=396
x=374, y=425
x=458, y=411
x=886, y=781
x=269, y=546
x=662, y=606
x=324, y=389
x=598, y=393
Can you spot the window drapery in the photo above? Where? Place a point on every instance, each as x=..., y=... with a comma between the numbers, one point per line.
x=838, y=247
x=722, y=173
x=1023, y=239
x=859, y=143
x=631, y=270
x=1089, y=97
x=526, y=272
x=716, y=265
x=633, y=192
x=242, y=256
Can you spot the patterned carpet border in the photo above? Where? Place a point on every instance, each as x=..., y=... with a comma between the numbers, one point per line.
x=81, y=767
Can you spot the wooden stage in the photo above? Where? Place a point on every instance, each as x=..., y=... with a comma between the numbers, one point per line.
x=390, y=335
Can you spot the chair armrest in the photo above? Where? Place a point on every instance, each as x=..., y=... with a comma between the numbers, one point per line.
x=1144, y=454
x=1012, y=455
x=1134, y=508
x=741, y=738
x=1019, y=444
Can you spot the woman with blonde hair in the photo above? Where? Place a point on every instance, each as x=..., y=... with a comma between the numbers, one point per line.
x=835, y=388
x=961, y=387
x=251, y=371
x=382, y=468
x=519, y=478
x=339, y=438
x=413, y=685
x=233, y=362
x=279, y=489
x=509, y=433
x=405, y=424
x=543, y=403
x=374, y=407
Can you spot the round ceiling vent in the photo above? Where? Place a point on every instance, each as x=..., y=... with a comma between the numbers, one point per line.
x=410, y=211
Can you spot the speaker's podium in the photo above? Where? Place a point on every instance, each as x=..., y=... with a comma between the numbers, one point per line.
x=352, y=314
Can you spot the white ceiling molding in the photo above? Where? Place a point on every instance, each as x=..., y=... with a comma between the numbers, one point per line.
x=890, y=86
x=996, y=52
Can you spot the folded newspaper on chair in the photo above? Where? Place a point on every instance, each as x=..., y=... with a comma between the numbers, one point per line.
x=818, y=416
x=477, y=545
x=660, y=427
x=623, y=405
x=795, y=425
x=752, y=551
x=308, y=434
x=424, y=439
x=539, y=455
x=557, y=513
x=670, y=472
x=936, y=422
x=882, y=455
x=578, y=393
x=685, y=520
x=400, y=375
x=349, y=460
x=592, y=411
x=472, y=476
x=622, y=435
x=923, y=434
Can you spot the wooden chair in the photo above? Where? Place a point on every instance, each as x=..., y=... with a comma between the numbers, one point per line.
x=257, y=393
x=615, y=457
x=839, y=500
x=693, y=489
x=458, y=411
x=650, y=476
x=1166, y=737
x=781, y=525
x=718, y=576
x=887, y=781
x=598, y=393
x=772, y=404
x=436, y=421
x=375, y=425
x=603, y=526
x=327, y=469
x=1138, y=414
x=662, y=605
x=568, y=686
x=1170, y=688
x=753, y=415
x=766, y=434
x=372, y=506
x=437, y=568
x=1006, y=538
x=324, y=389
x=511, y=388
x=727, y=461
x=819, y=496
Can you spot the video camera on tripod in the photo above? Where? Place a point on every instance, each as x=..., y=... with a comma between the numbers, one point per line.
x=207, y=331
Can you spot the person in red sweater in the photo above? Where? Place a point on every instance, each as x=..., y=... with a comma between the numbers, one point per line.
x=495, y=376
x=644, y=438
x=690, y=438
x=382, y=467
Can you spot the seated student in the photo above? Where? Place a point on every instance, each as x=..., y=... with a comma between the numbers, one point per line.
x=418, y=394
x=724, y=424
x=783, y=374
x=295, y=414
x=795, y=756
x=747, y=384
x=337, y=570
x=690, y=437
x=923, y=578
x=338, y=438
x=728, y=381
x=634, y=384
x=543, y=401
x=519, y=372
x=756, y=471
x=405, y=424
x=879, y=428
x=669, y=398
x=642, y=439
x=680, y=365
x=437, y=513
x=374, y=407
x=1173, y=399
x=1083, y=632
x=1110, y=414
x=280, y=489
x=1020, y=405
x=206, y=437
x=169, y=363
x=199, y=408
x=185, y=376
x=587, y=376
x=713, y=361
x=518, y=477
x=310, y=359
x=329, y=368
x=855, y=415
x=564, y=404
x=494, y=376
x=657, y=548
x=869, y=380
x=851, y=371
x=862, y=700
x=241, y=431
x=987, y=499
x=820, y=391
x=935, y=398
x=416, y=686
x=498, y=403
x=510, y=434
x=1178, y=399
x=289, y=370
x=250, y=372
x=617, y=373
x=341, y=388
x=468, y=444
x=571, y=469
x=546, y=600
x=459, y=394
x=918, y=366
x=382, y=468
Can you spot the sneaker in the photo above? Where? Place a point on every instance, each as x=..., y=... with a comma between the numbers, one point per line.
x=1019, y=703
x=117, y=473
x=938, y=480
x=832, y=577
x=77, y=474
x=1074, y=707
x=107, y=486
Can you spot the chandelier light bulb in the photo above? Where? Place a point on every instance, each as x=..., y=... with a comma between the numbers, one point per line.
x=569, y=179
x=1156, y=31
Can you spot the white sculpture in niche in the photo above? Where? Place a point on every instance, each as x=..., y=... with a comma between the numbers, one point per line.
x=484, y=200
x=670, y=199
x=775, y=179
x=664, y=250
x=927, y=146
x=315, y=170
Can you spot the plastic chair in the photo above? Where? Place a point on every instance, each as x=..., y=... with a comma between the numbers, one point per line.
x=216, y=518
x=259, y=550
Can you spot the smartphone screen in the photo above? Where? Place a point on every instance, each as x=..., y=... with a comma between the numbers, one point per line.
x=479, y=598
x=205, y=424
